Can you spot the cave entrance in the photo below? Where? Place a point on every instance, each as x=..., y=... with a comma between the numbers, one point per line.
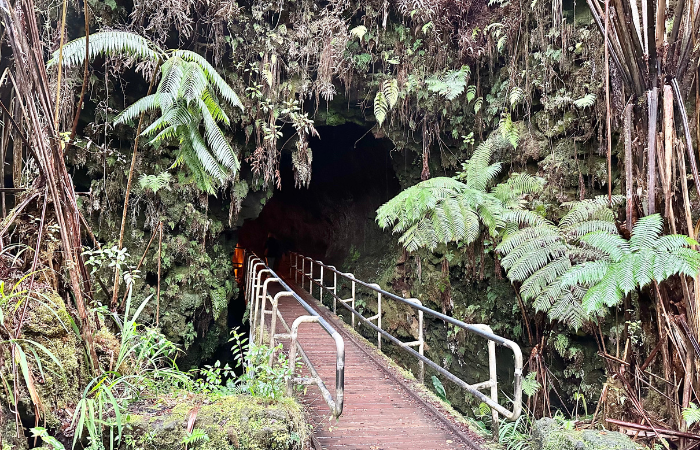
x=352, y=175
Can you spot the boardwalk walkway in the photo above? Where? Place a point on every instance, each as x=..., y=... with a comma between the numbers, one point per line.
x=382, y=410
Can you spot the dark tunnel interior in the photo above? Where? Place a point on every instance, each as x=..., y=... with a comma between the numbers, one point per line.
x=352, y=175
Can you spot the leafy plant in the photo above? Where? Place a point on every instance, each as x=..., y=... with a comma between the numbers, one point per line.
x=530, y=384
x=154, y=183
x=628, y=265
x=145, y=363
x=440, y=389
x=190, y=95
x=691, y=414
x=442, y=210
x=582, y=265
x=196, y=436
x=515, y=435
x=586, y=101
x=450, y=84
x=385, y=99
x=52, y=442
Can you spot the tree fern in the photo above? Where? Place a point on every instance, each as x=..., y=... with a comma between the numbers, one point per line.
x=583, y=265
x=188, y=98
x=442, y=210
x=108, y=43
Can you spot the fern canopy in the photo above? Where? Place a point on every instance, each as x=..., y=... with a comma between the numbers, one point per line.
x=191, y=96
x=578, y=268
x=443, y=210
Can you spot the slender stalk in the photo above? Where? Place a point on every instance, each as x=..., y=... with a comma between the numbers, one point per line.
x=608, y=120
x=160, y=246
x=629, y=180
x=60, y=65
x=115, y=291
x=79, y=107
x=652, y=108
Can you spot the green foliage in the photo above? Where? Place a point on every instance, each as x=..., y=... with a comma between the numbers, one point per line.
x=442, y=210
x=385, y=99
x=629, y=265
x=439, y=389
x=108, y=43
x=577, y=268
x=586, y=101
x=508, y=129
x=145, y=364
x=450, y=84
x=154, y=183
x=359, y=31
x=691, y=414
x=515, y=435
x=196, y=436
x=530, y=384
x=52, y=442
x=188, y=98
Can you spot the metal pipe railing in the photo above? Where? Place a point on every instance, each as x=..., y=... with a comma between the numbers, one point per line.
x=481, y=330
x=258, y=279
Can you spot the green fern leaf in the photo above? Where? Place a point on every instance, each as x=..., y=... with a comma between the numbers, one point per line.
x=381, y=107
x=586, y=101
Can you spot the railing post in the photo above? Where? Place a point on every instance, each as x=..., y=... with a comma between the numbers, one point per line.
x=493, y=378
x=335, y=292
x=379, y=320
x=421, y=347
x=353, y=300
x=311, y=277
x=320, y=288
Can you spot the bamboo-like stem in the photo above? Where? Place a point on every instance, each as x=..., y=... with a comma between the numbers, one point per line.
x=652, y=106
x=608, y=119
x=160, y=246
x=79, y=107
x=60, y=64
x=629, y=179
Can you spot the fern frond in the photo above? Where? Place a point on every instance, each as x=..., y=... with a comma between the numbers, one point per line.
x=517, y=95
x=222, y=87
x=144, y=104
x=107, y=43
x=586, y=274
x=450, y=84
x=381, y=107
x=646, y=232
x=597, y=208
x=612, y=245
x=536, y=282
x=155, y=183
x=390, y=89
x=586, y=101
x=216, y=140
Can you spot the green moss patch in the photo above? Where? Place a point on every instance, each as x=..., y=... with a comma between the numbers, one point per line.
x=231, y=422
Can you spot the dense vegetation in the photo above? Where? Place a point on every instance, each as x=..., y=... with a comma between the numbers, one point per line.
x=139, y=136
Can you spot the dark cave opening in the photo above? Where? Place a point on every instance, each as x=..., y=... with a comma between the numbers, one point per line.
x=352, y=175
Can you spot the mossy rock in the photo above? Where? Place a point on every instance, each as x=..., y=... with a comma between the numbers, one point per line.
x=231, y=422
x=47, y=329
x=547, y=434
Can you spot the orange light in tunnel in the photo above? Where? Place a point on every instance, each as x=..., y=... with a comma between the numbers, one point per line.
x=237, y=260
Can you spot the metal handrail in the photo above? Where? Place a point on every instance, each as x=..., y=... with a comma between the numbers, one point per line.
x=481, y=330
x=258, y=277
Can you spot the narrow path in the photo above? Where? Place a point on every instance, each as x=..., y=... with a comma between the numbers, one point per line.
x=381, y=412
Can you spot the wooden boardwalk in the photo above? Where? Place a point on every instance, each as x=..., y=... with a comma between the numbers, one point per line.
x=381, y=410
